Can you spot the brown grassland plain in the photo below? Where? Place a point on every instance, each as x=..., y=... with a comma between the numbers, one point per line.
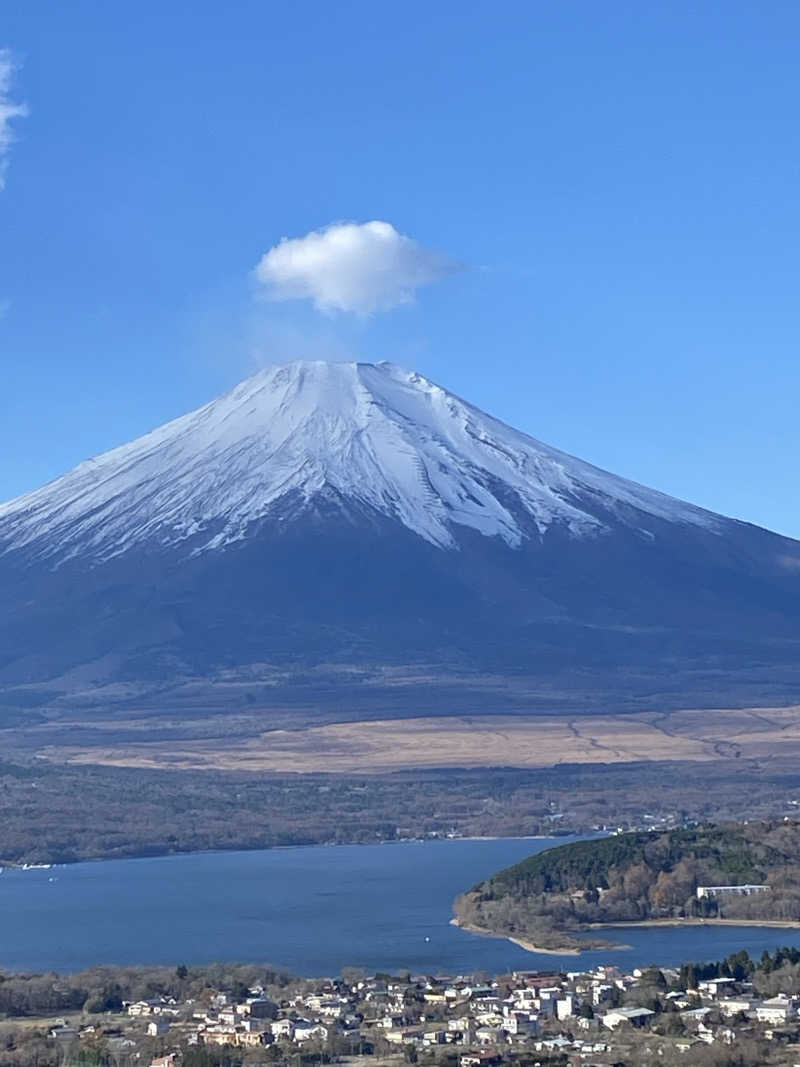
x=492, y=741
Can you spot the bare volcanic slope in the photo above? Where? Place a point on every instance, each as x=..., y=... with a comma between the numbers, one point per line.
x=345, y=541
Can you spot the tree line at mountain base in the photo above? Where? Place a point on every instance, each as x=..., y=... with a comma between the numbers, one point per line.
x=60, y=813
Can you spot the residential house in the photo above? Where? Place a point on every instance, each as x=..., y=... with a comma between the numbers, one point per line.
x=734, y=1005
x=621, y=1016
x=776, y=1010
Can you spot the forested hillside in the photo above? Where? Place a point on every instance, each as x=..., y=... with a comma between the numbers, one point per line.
x=640, y=877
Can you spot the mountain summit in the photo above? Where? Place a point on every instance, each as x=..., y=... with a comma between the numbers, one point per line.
x=324, y=526
x=385, y=438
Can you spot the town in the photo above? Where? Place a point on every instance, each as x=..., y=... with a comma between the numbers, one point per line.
x=738, y=1012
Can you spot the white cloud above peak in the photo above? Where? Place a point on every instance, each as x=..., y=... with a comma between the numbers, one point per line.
x=8, y=109
x=350, y=266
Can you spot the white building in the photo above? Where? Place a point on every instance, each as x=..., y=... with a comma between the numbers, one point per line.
x=282, y=1028
x=776, y=1010
x=521, y=1023
x=715, y=986
x=620, y=1016
x=710, y=892
x=309, y=1031
x=733, y=1005
x=565, y=1007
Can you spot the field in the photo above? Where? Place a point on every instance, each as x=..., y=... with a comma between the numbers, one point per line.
x=489, y=741
x=107, y=787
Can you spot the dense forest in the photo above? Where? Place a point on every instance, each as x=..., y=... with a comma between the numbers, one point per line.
x=638, y=877
x=775, y=972
x=55, y=813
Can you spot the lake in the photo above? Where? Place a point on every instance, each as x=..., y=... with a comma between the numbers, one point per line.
x=311, y=910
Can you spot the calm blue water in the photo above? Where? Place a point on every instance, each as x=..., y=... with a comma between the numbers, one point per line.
x=311, y=910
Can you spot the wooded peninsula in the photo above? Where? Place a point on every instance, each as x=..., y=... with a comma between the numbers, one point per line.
x=744, y=873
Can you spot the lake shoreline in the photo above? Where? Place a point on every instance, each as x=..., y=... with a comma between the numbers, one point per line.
x=790, y=924
x=15, y=865
x=480, y=931
x=570, y=950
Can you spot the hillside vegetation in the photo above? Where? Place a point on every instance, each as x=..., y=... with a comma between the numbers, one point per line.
x=639, y=877
x=51, y=813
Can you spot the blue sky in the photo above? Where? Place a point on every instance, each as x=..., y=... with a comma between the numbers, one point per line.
x=619, y=180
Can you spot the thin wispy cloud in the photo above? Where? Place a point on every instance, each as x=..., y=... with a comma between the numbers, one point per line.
x=9, y=110
x=349, y=266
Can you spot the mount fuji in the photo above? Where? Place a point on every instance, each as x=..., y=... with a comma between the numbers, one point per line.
x=352, y=540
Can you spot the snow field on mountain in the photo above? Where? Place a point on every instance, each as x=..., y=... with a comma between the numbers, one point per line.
x=377, y=434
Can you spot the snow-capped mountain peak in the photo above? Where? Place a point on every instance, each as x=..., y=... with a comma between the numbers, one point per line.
x=375, y=434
